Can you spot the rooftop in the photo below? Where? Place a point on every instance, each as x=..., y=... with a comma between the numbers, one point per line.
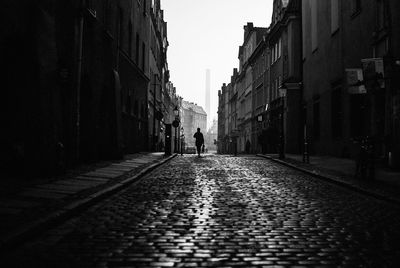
x=191, y=105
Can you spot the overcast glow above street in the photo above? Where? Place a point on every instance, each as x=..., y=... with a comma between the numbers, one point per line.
x=206, y=35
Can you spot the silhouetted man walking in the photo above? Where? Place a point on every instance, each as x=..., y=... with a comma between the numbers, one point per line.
x=199, y=140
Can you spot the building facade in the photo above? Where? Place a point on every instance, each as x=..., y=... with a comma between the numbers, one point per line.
x=285, y=77
x=348, y=39
x=84, y=92
x=265, y=96
x=233, y=113
x=222, y=135
x=252, y=37
x=260, y=98
x=158, y=88
x=212, y=136
x=193, y=117
x=325, y=73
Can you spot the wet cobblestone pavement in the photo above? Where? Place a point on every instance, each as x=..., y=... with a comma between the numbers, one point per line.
x=220, y=211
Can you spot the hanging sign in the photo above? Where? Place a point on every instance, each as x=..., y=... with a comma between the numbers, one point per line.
x=374, y=72
x=355, y=81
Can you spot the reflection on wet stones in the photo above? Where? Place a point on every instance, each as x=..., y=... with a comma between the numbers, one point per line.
x=220, y=211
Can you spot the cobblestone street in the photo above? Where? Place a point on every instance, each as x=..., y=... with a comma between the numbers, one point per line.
x=221, y=211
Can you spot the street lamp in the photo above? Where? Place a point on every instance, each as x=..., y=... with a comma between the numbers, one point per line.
x=259, y=132
x=175, y=124
x=306, y=156
x=182, y=140
x=176, y=111
x=282, y=93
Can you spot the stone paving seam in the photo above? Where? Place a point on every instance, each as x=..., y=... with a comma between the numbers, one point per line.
x=33, y=228
x=332, y=179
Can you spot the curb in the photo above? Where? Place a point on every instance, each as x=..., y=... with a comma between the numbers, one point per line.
x=332, y=179
x=32, y=229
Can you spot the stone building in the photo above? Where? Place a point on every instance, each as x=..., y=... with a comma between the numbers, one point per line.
x=351, y=70
x=265, y=96
x=233, y=113
x=222, y=146
x=212, y=136
x=259, y=62
x=331, y=77
x=159, y=75
x=193, y=117
x=284, y=42
x=172, y=109
x=227, y=117
x=82, y=94
x=252, y=36
x=133, y=42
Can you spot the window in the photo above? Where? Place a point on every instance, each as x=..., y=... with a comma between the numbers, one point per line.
x=336, y=112
x=314, y=28
x=259, y=100
x=380, y=14
x=123, y=101
x=305, y=8
x=143, y=109
x=271, y=93
x=143, y=56
x=280, y=47
x=137, y=48
x=120, y=28
x=136, y=107
x=273, y=55
x=130, y=38
x=334, y=16
x=107, y=9
x=129, y=103
x=316, y=120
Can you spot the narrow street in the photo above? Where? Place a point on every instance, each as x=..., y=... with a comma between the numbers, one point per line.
x=222, y=211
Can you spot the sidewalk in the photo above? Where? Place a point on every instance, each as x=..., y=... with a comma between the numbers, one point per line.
x=386, y=185
x=26, y=208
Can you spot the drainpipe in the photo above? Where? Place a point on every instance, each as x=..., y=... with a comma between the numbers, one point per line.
x=78, y=74
x=391, y=90
x=154, y=145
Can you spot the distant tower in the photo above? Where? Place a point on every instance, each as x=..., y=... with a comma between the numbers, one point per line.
x=208, y=90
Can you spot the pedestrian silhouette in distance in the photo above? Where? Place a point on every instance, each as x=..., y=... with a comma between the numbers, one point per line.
x=199, y=140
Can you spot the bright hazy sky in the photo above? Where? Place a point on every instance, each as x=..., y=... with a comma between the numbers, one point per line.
x=206, y=34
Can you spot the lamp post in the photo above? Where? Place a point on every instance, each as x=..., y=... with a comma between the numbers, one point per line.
x=306, y=157
x=182, y=139
x=154, y=141
x=260, y=138
x=175, y=124
x=282, y=92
